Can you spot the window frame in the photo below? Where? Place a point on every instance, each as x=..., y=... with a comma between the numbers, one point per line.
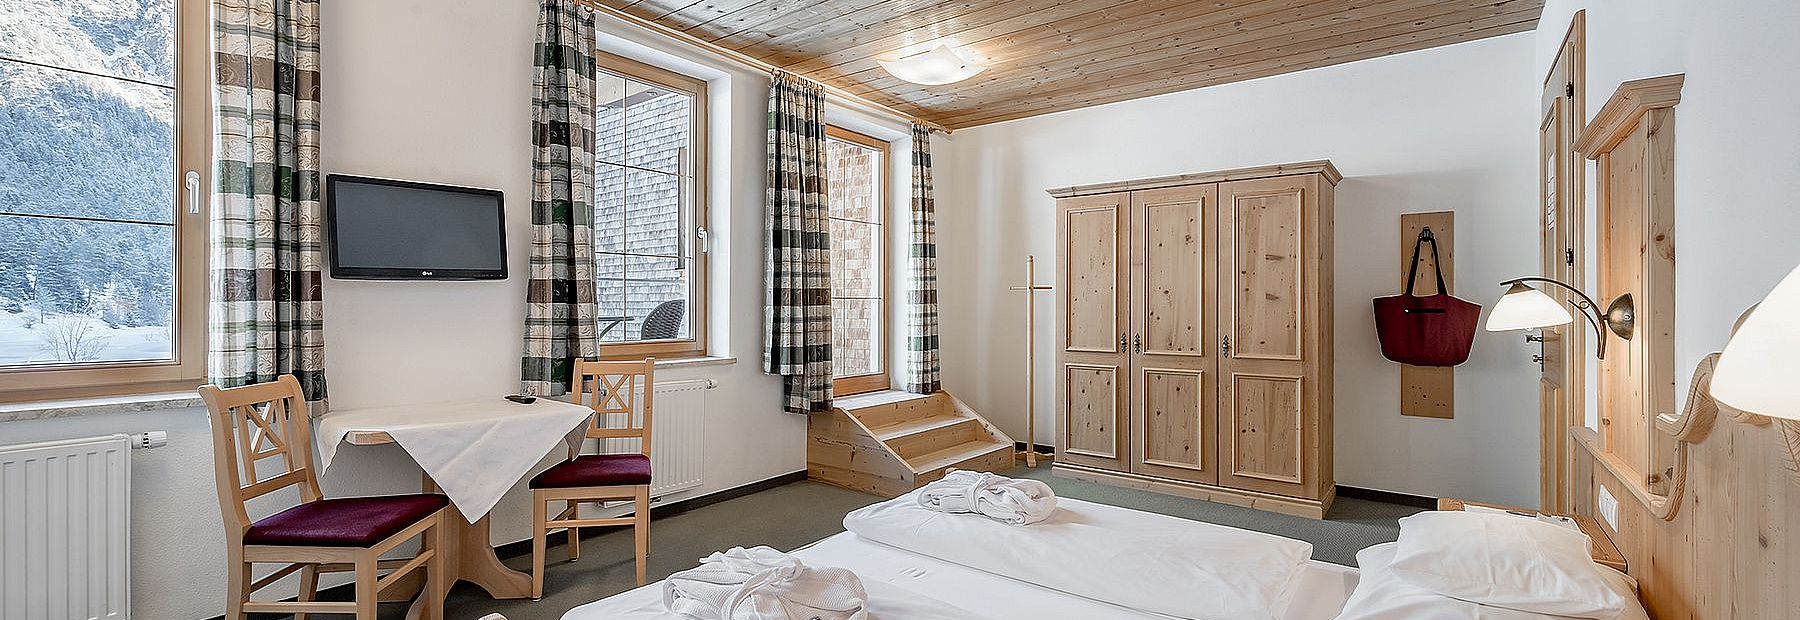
x=188, y=329
x=881, y=379
x=698, y=214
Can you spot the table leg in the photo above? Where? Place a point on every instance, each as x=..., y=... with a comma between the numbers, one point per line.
x=469, y=556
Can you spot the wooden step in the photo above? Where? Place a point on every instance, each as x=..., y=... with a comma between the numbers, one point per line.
x=919, y=444
x=958, y=454
x=921, y=425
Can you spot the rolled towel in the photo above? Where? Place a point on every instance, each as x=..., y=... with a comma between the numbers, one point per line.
x=1003, y=499
x=761, y=583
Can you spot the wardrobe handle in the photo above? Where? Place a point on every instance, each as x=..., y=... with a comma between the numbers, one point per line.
x=1137, y=343
x=1225, y=346
x=1121, y=343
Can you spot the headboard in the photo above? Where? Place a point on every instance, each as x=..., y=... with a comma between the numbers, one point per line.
x=1726, y=543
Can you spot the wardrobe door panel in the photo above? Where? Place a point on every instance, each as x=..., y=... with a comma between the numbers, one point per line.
x=1172, y=342
x=1092, y=380
x=1268, y=434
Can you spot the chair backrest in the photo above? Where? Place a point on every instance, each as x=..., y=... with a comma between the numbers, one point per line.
x=664, y=321
x=622, y=395
x=252, y=424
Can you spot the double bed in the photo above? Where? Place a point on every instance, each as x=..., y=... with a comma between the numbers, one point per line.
x=1129, y=539
x=1320, y=590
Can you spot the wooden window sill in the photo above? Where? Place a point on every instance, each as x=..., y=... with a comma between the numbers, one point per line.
x=694, y=362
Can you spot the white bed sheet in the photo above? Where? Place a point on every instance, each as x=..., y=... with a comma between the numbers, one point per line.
x=1319, y=593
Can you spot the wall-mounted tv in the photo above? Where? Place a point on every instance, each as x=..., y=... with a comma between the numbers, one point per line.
x=383, y=229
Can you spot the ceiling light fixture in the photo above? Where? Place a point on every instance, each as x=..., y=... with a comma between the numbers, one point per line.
x=941, y=65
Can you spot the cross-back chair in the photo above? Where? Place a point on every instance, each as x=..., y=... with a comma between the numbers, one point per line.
x=256, y=423
x=622, y=395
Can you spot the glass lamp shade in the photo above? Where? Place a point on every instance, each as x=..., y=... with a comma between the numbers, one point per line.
x=1760, y=370
x=1524, y=307
x=941, y=65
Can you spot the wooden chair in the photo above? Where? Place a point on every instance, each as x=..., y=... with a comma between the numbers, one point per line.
x=612, y=390
x=254, y=423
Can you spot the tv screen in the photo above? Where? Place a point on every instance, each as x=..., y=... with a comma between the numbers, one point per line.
x=382, y=229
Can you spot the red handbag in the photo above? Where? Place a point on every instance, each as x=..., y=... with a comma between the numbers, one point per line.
x=1435, y=330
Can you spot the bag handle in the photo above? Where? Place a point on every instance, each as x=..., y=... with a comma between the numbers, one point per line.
x=1412, y=274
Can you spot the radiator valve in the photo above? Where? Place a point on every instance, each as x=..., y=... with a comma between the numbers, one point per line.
x=149, y=439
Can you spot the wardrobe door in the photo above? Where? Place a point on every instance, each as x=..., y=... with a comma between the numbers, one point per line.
x=1264, y=390
x=1172, y=341
x=1091, y=379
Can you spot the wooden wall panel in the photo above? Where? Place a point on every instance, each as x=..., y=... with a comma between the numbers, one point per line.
x=1428, y=391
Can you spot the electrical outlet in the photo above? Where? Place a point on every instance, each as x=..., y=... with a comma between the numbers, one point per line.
x=1608, y=507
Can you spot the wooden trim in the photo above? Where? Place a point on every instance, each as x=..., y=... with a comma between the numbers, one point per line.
x=881, y=378
x=1322, y=167
x=744, y=59
x=1564, y=103
x=193, y=151
x=1615, y=120
x=699, y=215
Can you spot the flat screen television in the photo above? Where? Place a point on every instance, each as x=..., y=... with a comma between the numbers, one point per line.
x=383, y=229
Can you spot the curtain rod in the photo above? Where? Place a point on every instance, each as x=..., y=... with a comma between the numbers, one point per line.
x=746, y=59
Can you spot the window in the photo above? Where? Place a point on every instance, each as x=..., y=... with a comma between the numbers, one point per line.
x=856, y=169
x=649, y=255
x=102, y=274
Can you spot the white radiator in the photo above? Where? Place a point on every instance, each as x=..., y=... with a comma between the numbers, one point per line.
x=677, y=437
x=65, y=528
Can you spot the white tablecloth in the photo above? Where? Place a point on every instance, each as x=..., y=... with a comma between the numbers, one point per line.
x=475, y=450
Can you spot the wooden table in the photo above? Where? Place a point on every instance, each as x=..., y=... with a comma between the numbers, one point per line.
x=1600, y=545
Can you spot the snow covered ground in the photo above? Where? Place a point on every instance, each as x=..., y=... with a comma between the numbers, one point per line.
x=91, y=338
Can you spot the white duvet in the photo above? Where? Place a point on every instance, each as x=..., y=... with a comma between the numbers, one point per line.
x=886, y=602
x=1139, y=560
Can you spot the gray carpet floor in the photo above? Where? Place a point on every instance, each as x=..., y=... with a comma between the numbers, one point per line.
x=793, y=515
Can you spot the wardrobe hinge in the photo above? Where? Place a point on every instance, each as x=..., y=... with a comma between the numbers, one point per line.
x=1569, y=89
x=1569, y=256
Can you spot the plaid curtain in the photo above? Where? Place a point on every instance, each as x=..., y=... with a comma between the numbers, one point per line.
x=560, y=300
x=922, y=305
x=266, y=311
x=797, y=260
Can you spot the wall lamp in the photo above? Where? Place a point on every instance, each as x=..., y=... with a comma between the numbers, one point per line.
x=1525, y=307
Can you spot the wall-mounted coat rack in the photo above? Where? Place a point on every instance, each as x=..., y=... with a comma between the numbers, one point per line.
x=1428, y=391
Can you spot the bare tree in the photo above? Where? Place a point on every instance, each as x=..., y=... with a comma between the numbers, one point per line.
x=72, y=337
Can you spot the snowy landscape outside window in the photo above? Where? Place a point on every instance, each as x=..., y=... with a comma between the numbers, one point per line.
x=856, y=173
x=648, y=252
x=89, y=225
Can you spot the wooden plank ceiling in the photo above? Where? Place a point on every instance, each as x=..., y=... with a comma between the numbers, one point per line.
x=1051, y=55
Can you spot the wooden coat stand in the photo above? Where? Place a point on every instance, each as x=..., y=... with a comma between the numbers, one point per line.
x=1031, y=289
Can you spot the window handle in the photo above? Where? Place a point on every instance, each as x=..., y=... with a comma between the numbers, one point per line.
x=191, y=181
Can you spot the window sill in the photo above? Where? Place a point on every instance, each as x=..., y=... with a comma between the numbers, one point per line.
x=73, y=407
x=694, y=362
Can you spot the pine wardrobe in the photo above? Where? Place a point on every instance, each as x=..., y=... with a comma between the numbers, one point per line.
x=1194, y=335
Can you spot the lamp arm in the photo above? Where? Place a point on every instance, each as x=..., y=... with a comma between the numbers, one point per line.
x=1585, y=304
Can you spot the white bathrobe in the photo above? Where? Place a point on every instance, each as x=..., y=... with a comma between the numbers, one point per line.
x=1008, y=500
x=761, y=583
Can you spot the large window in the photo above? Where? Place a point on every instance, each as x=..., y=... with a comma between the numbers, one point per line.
x=649, y=134
x=856, y=166
x=102, y=281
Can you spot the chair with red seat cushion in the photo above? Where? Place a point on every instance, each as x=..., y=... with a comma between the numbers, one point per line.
x=255, y=423
x=622, y=395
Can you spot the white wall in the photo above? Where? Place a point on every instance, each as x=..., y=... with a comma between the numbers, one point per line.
x=1445, y=129
x=440, y=91
x=1737, y=171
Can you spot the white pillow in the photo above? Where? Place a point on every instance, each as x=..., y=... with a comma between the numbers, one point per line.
x=1382, y=595
x=1501, y=560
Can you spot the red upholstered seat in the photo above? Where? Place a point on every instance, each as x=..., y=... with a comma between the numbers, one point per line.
x=345, y=522
x=596, y=470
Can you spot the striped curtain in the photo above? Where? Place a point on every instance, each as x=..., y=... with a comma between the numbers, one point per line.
x=560, y=299
x=266, y=311
x=797, y=260
x=922, y=304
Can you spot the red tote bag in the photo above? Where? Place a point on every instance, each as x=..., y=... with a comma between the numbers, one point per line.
x=1435, y=330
